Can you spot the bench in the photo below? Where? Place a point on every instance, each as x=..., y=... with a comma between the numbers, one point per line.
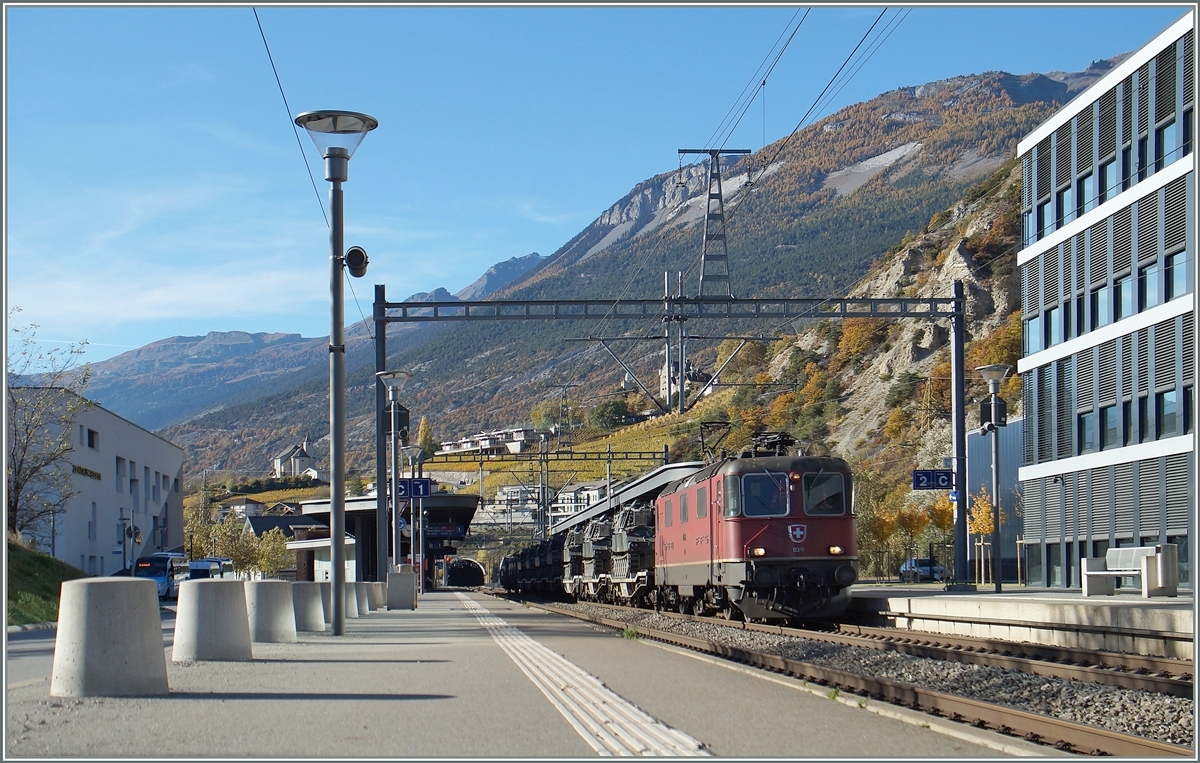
x=1156, y=566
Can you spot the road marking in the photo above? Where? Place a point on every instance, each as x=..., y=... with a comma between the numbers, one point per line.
x=605, y=720
x=28, y=682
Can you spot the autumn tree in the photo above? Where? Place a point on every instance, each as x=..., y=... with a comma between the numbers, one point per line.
x=272, y=554
x=859, y=337
x=230, y=540
x=45, y=396
x=980, y=519
x=425, y=438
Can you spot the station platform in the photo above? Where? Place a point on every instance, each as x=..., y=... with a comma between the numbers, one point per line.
x=466, y=675
x=1124, y=622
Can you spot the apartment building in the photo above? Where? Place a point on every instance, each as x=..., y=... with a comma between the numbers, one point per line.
x=127, y=501
x=1108, y=279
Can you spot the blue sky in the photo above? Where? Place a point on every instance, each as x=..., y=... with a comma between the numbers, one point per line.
x=154, y=185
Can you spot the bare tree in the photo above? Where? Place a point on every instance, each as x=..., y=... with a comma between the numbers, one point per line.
x=45, y=396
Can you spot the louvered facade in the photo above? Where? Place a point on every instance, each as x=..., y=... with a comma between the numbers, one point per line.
x=1108, y=280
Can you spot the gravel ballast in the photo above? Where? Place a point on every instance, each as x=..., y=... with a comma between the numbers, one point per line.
x=1149, y=715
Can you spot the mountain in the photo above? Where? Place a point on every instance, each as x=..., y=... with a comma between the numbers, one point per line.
x=179, y=378
x=500, y=275
x=808, y=216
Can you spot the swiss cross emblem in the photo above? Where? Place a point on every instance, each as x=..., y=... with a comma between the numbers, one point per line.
x=797, y=533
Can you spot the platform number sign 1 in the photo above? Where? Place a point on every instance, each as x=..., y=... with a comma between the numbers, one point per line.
x=932, y=479
x=422, y=487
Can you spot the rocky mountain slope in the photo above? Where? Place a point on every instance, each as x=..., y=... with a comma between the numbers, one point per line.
x=808, y=216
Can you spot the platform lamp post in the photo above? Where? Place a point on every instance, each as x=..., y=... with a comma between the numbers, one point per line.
x=993, y=375
x=337, y=134
x=395, y=381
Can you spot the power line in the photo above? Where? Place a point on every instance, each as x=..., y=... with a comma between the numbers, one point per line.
x=304, y=157
x=288, y=108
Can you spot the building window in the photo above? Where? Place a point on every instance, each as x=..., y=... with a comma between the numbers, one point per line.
x=1045, y=221
x=1164, y=145
x=1110, y=182
x=82, y=439
x=120, y=475
x=1123, y=297
x=1126, y=168
x=1110, y=428
x=1080, y=316
x=1177, y=275
x=1143, y=419
x=1029, y=232
x=1054, y=333
x=1033, y=335
x=1187, y=410
x=1143, y=163
x=1166, y=413
x=1034, y=564
x=1185, y=565
x=1187, y=132
x=1150, y=286
x=92, y=523
x=1127, y=422
x=1086, y=194
x=1087, y=432
x=1065, y=207
x=1101, y=309
x=93, y=439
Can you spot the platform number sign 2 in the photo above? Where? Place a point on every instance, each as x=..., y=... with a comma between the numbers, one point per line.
x=932, y=479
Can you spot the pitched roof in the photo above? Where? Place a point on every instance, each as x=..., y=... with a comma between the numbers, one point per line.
x=288, y=452
x=288, y=524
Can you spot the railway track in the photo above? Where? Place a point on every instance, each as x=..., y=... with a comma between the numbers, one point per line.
x=1061, y=734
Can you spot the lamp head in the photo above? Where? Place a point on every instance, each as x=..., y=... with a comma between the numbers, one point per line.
x=994, y=374
x=394, y=379
x=336, y=129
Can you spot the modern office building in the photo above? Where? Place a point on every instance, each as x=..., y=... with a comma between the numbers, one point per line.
x=1108, y=283
x=127, y=501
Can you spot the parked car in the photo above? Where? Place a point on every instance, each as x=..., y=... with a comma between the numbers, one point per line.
x=916, y=570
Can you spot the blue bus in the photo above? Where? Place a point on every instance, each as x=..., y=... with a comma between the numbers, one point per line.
x=166, y=568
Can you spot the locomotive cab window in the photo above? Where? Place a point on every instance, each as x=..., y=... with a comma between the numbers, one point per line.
x=733, y=495
x=824, y=495
x=765, y=494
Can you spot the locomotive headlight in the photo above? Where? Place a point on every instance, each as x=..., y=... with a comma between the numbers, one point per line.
x=836, y=550
x=758, y=552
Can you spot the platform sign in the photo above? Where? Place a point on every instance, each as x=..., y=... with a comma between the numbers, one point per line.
x=403, y=487
x=422, y=487
x=932, y=479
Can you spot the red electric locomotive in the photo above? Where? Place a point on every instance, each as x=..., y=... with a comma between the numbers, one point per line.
x=767, y=538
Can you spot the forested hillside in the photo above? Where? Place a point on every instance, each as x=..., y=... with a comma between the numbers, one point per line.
x=809, y=216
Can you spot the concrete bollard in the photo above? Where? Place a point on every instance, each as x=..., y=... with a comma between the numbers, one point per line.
x=362, y=591
x=211, y=622
x=402, y=590
x=327, y=600
x=306, y=601
x=109, y=641
x=379, y=591
x=350, y=600
x=271, y=611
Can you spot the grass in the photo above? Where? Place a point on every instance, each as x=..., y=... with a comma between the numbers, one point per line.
x=34, y=580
